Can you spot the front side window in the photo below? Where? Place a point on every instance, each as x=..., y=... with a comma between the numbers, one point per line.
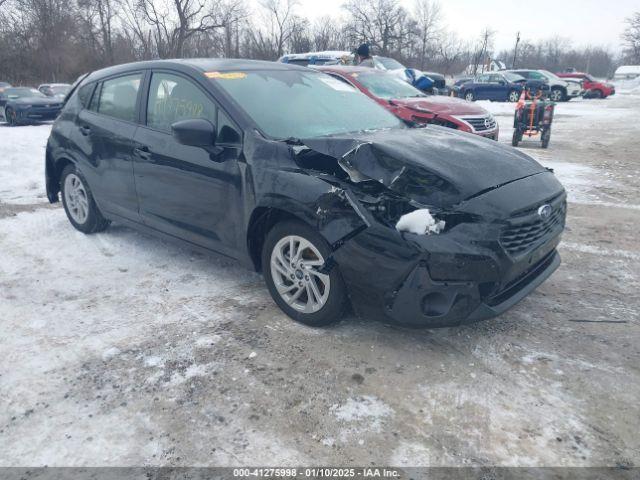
x=302, y=104
x=173, y=98
x=118, y=97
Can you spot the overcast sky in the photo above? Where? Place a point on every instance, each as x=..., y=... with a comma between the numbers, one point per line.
x=584, y=22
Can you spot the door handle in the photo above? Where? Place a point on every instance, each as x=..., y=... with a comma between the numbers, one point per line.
x=84, y=130
x=142, y=152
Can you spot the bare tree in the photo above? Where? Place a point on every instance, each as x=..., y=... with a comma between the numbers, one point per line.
x=427, y=15
x=452, y=53
x=174, y=22
x=375, y=22
x=631, y=37
x=280, y=24
x=481, y=52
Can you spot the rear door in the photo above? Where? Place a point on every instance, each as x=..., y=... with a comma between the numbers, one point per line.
x=105, y=132
x=182, y=190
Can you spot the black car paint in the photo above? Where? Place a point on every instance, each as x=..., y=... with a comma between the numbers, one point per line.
x=224, y=202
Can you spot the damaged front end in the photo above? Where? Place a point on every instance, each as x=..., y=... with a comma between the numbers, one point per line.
x=424, y=247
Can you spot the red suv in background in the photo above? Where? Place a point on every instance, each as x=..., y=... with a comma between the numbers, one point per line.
x=412, y=105
x=592, y=87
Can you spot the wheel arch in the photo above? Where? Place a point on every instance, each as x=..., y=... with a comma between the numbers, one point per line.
x=53, y=171
x=262, y=220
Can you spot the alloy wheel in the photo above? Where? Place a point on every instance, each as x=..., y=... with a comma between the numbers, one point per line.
x=469, y=97
x=76, y=199
x=514, y=96
x=556, y=95
x=295, y=269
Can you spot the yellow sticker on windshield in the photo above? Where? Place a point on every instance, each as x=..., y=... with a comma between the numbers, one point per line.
x=226, y=75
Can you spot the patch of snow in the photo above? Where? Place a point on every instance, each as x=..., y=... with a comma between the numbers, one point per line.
x=110, y=353
x=367, y=409
x=420, y=222
x=600, y=251
x=22, y=158
x=154, y=361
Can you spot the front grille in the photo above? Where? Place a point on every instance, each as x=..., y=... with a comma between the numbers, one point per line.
x=481, y=124
x=522, y=237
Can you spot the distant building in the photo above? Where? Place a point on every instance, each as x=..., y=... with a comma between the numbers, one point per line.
x=488, y=66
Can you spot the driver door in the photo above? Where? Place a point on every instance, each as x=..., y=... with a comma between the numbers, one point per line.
x=186, y=191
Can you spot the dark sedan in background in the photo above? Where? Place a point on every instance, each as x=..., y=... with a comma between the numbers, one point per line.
x=20, y=105
x=498, y=86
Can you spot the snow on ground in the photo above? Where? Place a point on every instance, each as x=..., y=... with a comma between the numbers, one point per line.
x=22, y=153
x=121, y=349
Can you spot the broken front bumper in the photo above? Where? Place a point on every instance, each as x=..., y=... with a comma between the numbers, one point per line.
x=472, y=272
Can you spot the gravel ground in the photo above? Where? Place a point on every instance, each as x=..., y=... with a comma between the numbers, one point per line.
x=120, y=349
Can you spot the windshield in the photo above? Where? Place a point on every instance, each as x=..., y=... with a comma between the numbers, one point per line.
x=299, y=104
x=387, y=86
x=13, y=93
x=549, y=75
x=389, y=63
x=61, y=89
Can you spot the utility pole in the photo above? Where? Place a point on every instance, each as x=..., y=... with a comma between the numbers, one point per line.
x=515, y=51
x=484, y=48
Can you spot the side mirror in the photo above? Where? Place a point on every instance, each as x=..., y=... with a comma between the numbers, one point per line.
x=195, y=132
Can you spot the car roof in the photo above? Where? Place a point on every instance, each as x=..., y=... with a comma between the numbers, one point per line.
x=201, y=64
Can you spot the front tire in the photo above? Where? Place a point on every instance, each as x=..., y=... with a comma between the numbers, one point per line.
x=516, y=138
x=304, y=286
x=78, y=202
x=469, y=96
x=556, y=95
x=10, y=117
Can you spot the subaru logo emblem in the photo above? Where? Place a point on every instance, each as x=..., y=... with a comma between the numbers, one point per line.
x=545, y=211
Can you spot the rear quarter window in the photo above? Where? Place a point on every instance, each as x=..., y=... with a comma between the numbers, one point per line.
x=84, y=94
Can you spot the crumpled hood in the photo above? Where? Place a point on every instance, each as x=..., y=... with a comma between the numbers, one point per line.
x=442, y=105
x=433, y=165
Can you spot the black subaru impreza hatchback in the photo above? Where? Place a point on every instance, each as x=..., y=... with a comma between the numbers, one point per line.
x=300, y=176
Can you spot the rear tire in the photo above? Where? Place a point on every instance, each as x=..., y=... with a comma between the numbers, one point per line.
x=514, y=96
x=546, y=137
x=308, y=291
x=470, y=96
x=78, y=202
